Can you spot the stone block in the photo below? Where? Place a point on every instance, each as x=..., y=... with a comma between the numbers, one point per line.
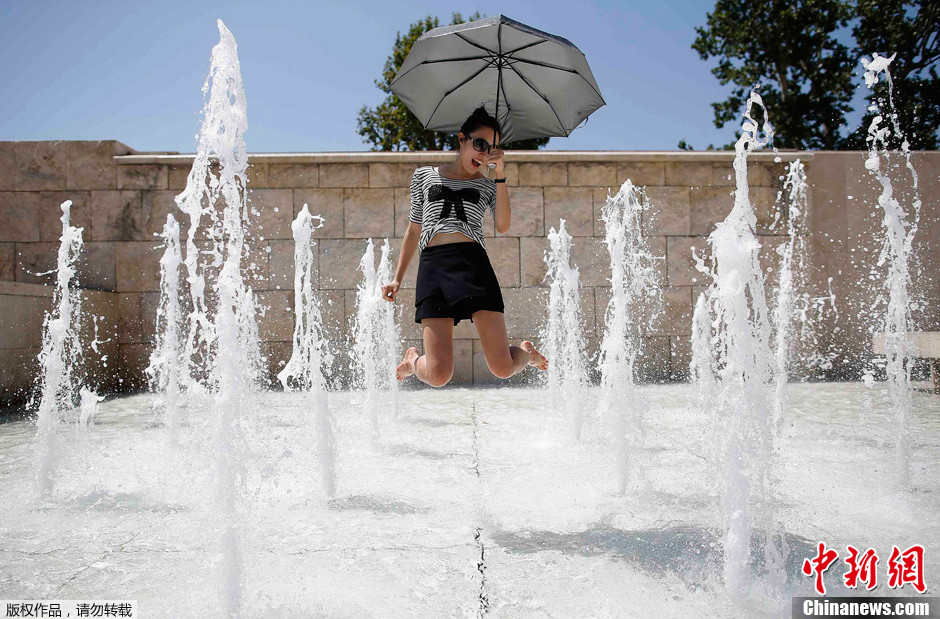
x=18, y=370
x=21, y=320
x=177, y=175
x=281, y=265
x=325, y=203
x=543, y=174
x=40, y=165
x=592, y=174
x=91, y=164
x=759, y=173
x=512, y=173
x=7, y=262
x=339, y=263
x=676, y=315
x=257, y=174
x=155, y=206
x=641, y=173
x=573, y=204
x=680, y=347
x=669, y=212
x=829, y=219
x=504, y=256
x=528, y=212
x=382, y=174
x=653, y=362
x=771, y=213
x=130, y=318
x=681, y=265
x=368, y=212
x=256, y=266
x=344, y=175
x=117, y=216
x=149, y=176
x=710, y=205
x=95, y=268
x=7, y=167
x=276, y=319
x=137, y=266
x=689, y=173
x=588, y=254
x=19, y=216
x=525, y=310
x=532, y=267
x=293, y=175
x=50, y=214
x=133, y=360
x=272, y=213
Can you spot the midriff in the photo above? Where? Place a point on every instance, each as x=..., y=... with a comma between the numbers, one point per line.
x=442, y=238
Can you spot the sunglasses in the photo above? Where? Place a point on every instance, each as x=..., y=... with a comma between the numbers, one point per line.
x=480, y=145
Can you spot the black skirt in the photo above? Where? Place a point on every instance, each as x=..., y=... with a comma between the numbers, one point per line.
x=455, y=280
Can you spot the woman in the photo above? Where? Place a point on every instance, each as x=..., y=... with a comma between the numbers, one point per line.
x=455, y=278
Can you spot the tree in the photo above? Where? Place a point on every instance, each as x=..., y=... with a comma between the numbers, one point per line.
x=788, y=47
x=392, y=126
x=912, y=31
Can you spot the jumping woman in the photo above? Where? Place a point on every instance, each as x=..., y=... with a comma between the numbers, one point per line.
x=455, y=278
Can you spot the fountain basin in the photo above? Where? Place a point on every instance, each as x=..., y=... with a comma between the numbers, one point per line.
x=470, y=500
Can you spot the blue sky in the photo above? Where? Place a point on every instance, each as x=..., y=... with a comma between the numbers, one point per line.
x=133, y=71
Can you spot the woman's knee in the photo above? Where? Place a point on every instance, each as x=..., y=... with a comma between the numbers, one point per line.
x=501, y=368
x=439, y=373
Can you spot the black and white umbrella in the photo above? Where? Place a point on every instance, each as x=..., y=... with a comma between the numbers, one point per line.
x=535, y=83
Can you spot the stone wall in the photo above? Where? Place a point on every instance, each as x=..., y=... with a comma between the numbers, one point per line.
x=121, y=198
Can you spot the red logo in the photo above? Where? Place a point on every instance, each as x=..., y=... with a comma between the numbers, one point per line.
x=861, y=568
x=819, y=564
x=905, y=567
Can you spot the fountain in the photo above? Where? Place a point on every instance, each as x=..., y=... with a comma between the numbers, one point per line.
x=61, y=354
x=310, y=354
x=740, y=348
x=164, y=370
x=633, y=300
x=458, y=511
x=563, y=340
x=376, y=337
x=899, y=236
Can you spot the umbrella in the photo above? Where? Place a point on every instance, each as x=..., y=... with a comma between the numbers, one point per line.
x=541, y=83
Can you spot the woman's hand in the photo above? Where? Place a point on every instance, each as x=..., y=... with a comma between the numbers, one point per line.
x=390, y=290
x=496, y=156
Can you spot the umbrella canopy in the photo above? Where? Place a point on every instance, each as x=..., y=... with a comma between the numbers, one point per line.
x=535, y=83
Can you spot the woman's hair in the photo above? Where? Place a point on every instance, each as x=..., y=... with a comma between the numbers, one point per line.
x=479, y=118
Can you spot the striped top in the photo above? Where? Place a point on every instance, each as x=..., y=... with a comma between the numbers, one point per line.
x=441, y=204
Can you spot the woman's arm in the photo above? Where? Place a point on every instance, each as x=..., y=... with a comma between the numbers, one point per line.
x=503, y=212
x=409, y=244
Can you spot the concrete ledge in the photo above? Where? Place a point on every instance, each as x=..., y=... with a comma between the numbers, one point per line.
x=925, y=345
x=513, y=156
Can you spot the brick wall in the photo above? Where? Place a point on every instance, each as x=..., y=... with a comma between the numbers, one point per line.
x=122, y=197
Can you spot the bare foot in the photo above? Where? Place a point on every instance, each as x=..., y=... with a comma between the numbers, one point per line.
x=407, y=366
x=535, y=357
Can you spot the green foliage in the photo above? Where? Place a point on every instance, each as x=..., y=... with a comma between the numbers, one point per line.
x=789, y=49
x=912, y=30
x=806, y=74
x=391, y=126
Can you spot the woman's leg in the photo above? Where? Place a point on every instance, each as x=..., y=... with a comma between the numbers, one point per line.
x=436, y=366
x=502, y=359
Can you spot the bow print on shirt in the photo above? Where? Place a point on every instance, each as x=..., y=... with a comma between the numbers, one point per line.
x=453, y=199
